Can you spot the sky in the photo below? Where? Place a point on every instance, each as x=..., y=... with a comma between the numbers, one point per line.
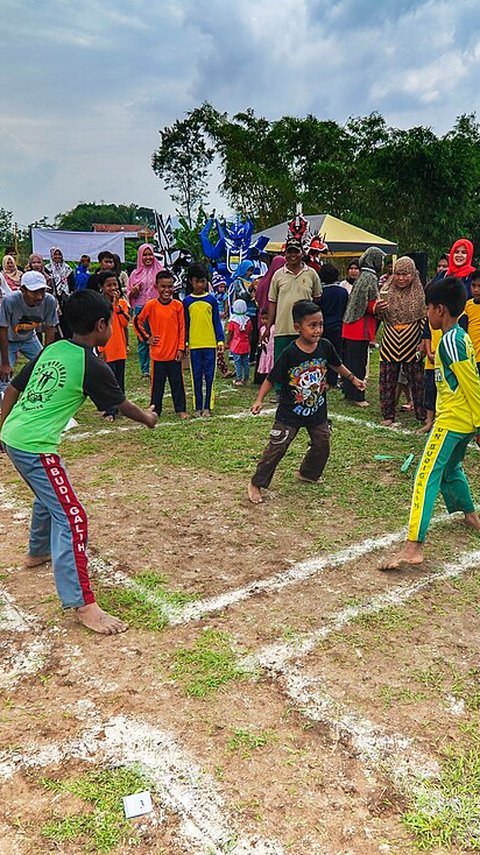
x=88, y=85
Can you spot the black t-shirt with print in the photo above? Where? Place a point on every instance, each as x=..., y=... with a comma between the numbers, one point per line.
x=303, y=383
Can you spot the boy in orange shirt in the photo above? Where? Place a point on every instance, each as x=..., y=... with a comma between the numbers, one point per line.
x=115, y=351
x=165, y=334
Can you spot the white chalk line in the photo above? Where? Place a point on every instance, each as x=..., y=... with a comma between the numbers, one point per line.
x=275, y=656
x=294, y=575
x=30, y=656
x=181, y=786
x=410, y=770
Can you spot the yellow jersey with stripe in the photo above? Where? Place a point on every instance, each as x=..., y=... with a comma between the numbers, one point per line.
x=472, y=311
x=435, y=336
x=458, y=383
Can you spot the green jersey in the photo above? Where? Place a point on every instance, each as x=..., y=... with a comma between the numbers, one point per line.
x=53, y=387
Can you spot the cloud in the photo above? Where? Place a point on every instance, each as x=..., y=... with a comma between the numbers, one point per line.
x=89, y=85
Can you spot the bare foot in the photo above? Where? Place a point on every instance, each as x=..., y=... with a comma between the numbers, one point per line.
x=108, y=417
x=300, y=477
x=425, y=429
x=254, y=494
x=183, y=415
x=362, y=404
x=206, y=414
x=410, y=556
x=472, y=520
x=36, y=560
x=198, y=414
x=94, y=618
x=387, y=423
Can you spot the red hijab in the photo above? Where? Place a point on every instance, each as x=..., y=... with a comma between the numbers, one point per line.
x=466, y=269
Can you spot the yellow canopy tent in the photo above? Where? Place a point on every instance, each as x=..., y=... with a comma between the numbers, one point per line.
x=342, y=238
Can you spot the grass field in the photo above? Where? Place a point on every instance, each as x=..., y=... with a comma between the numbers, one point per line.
x=275, y=693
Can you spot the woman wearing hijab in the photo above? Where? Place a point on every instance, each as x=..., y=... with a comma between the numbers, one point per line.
x=62, y=284
x=460, y=263
x=359, y=322
x=140, y=289
x=353, y=272
x=401, y=306
x=263, y=284
x=35, y=262
x=10, y=272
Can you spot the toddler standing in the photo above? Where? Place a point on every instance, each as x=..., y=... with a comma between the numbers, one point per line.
x=239, y=333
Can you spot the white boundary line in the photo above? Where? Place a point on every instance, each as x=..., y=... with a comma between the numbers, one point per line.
x=274, y=656
x=294, y=575
x=181, y=786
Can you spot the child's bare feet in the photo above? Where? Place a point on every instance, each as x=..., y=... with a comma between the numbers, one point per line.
x=206, y=414
x=254, y=494
x=37, y=560
x=198, y=414
x=94, y=618
x=362, y=404
x=183, y=415
x=472, y=520
x=410, y=556
x=426, y=428
x=389, y=423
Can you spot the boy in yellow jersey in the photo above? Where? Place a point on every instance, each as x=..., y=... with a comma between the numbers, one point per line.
x=457, y=422
x=472, y=312
x=430, y=339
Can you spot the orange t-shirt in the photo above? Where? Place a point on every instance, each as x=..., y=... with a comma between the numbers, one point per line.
x=116, y=346
x=165, y=320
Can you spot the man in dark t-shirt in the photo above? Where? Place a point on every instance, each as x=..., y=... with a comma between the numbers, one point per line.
x=37, y=406
x=301, y=373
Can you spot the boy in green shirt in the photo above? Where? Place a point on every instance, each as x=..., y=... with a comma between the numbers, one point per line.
x=37, y=406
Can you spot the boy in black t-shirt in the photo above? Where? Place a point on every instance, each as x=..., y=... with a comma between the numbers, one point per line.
x=301, y=370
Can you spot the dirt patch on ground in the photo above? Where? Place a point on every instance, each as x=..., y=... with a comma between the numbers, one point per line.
x=282, y=776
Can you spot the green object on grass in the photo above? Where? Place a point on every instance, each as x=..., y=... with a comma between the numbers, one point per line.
x=407, y=463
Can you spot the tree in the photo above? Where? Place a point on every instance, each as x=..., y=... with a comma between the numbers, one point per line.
x=85, y=214
x=182, y=161
x=6, y=228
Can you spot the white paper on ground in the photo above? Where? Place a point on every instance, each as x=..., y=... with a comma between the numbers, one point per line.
x=137, y=805
x=70, y=424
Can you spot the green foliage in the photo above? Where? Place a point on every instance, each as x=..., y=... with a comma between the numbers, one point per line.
x=85, y=214
x=411, y=186
x=187, y=236
x=102, y=825
x=208, y=665
x=6, y=228
x=182, y=160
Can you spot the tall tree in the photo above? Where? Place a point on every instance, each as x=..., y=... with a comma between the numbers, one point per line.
x=182, y=160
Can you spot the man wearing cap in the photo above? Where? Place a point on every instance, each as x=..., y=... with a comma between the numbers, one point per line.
x=22, y=313
x=294, y=281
